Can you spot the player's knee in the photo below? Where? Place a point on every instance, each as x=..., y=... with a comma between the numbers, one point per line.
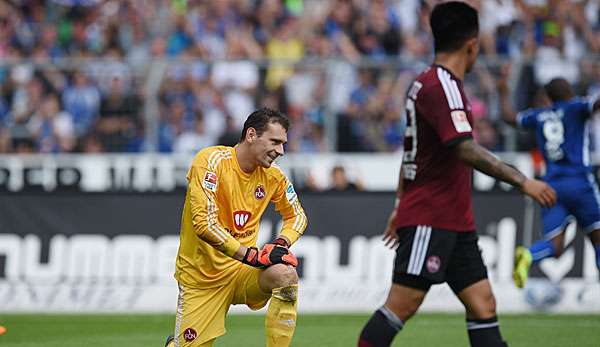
x=558, y=251
x=485, y=308
x=404, y=307
x=284, y=275
x=406, y=311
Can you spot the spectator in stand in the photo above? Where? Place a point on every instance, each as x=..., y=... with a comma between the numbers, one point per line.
x=119, y=119
x=52, y=129
x=171, y=126
x=47, y=39
x=81, y=99
x=285, y=48
x=230, y=136
x=341, y=183
x=237, y=77
x=193, y=140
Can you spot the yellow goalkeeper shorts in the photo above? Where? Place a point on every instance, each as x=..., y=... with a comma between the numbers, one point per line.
x=201, y=311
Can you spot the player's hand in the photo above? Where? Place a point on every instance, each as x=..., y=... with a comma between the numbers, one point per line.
x=280, y=241
x=390, y=237
x=540, y=192
x=269, y=255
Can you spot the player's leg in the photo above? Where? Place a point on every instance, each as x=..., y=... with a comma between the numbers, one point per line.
x=279, y=283
x=594, y=236
x=554, y=220
x=280, y=322
x=401, y=304
x=587, y=212
x=421, y=259
x=482, y=323
x=200, y=316
x=467, y=277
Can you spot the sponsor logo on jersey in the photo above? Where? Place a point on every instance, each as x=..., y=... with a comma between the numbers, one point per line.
x=461, y=122
x=260, y=193
x=290, y=193
x=433, y=264
x=210, y=181
x=240, y=235
x=190, y=334
x=240, y=218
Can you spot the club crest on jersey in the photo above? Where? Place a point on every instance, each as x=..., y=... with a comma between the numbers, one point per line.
x=260, y=193
x=433, y=264
x=190, y=334
x=461, y=122
x=240, y=218
x=210, y=181
x=290, y=193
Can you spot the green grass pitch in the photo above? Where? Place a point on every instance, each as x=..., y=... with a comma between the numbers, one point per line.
x=29, y=330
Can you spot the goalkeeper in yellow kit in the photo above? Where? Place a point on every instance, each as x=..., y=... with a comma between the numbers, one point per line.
x=218, y=263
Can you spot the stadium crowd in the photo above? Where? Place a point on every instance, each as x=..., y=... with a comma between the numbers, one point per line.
x=176, y=76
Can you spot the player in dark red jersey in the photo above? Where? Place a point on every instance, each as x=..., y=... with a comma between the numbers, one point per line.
x=433, y=222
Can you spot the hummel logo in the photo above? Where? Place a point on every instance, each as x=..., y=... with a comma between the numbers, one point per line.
x=240, y=218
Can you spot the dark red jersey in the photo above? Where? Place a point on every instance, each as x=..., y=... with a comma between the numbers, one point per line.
x=437, y=185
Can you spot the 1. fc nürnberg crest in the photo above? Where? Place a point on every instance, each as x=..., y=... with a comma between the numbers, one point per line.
x=240, y=218
x=190, y=334
x=259, y=193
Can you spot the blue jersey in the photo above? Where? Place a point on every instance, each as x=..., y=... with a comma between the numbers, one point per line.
x=562, y=134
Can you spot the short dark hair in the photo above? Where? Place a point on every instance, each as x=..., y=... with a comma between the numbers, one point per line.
x=559, y=89
x=261, y=118
x=452, y=24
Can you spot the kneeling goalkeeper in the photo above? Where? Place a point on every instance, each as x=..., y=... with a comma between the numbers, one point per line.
x=218, y=263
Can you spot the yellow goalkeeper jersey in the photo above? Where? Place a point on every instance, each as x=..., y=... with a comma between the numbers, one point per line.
x=224, y=202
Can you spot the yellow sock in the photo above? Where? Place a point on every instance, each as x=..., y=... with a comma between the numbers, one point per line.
x=280, y=321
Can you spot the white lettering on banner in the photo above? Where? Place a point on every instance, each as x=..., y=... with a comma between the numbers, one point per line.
x=95, y=173
x=10, y=247
x=133, y=258
x=34, y=270
x=135, y=273
x=156, y=172
x=122, y=171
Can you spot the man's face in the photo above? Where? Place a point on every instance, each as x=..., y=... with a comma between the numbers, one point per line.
x=269, y=146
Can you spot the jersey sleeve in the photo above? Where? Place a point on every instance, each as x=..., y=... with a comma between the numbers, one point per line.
x=203, y=186
x=527, y=119
x=288, y=205
x=442, y=107
x=585, y=106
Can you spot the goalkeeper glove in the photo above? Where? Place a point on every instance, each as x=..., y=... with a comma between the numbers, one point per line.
x=270, y=254
x=280, y=241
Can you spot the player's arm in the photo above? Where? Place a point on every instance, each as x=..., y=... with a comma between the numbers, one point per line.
x=524, y=119
x=205, y=208
x=390, y=237
x=483, y=160
x=289, y=207
x=509, y=115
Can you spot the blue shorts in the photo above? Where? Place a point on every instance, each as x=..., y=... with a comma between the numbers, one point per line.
x=578, y=197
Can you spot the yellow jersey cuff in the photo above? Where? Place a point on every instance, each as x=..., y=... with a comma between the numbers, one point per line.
x=291, y=235
x=229, y=247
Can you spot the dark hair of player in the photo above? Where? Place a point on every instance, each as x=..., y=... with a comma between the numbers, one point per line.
x=261, y=118
x=558, y=89
x=452, y=24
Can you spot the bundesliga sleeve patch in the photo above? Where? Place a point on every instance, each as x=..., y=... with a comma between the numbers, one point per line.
x=290, y=193
x=210, y=181
x=461, y=122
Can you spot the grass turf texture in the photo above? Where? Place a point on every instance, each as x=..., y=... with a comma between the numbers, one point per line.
x=28, y=330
